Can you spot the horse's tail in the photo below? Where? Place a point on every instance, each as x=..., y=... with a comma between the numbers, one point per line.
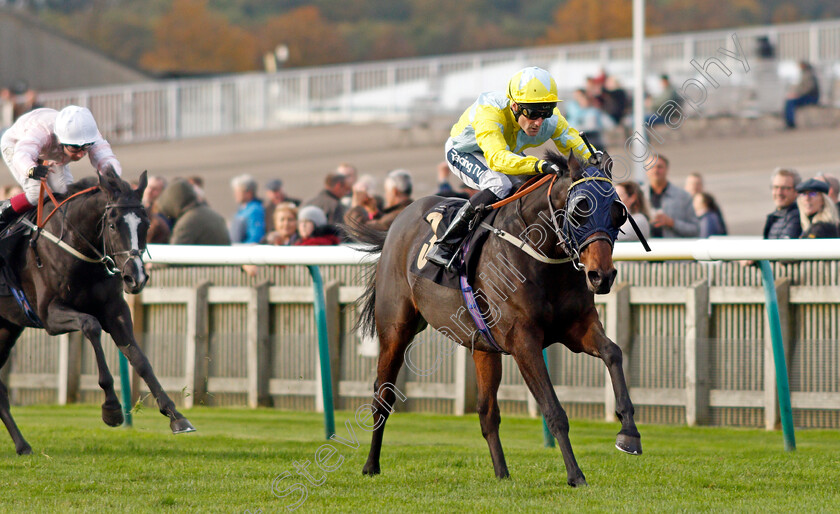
x=373, y=241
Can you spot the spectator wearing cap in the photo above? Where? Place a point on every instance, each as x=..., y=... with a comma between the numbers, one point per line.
x=248, y=225
x=833, y=187
x=817, y=212
x=313, y=229
x=274, y=196
x=398, y=189
x=329, y=199
x=783, y=223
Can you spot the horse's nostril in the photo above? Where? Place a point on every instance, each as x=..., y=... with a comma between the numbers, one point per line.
x=594, y=277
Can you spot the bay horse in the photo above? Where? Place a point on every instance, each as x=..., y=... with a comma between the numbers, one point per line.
x=537, y=292
x=73, y=274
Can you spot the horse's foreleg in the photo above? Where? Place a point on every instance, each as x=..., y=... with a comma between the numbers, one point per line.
x=63, y=319
x=121, y=328
x=8, y=335
x=488, y=368
x=532, y=366
x=595, y=342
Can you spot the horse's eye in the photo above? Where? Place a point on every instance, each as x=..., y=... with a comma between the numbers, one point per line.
x=580, y=211
x=618, y=214
x=112, y=226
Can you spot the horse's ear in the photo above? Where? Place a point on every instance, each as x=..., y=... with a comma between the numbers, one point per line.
x=141, y=184
x=607, y=164
x=575, y=168
x=109, y=181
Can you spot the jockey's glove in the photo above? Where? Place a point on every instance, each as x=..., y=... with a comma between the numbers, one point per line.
x=547, y=167
x=38, y=172
x=597, y=158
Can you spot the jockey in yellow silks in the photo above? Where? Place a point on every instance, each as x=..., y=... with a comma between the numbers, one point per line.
x=486, y=144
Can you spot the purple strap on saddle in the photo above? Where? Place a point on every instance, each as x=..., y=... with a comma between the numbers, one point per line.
x=472, y=307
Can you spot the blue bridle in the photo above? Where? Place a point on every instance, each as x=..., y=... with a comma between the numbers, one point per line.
x=587, y=216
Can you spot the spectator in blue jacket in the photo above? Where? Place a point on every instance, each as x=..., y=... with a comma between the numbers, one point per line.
x=248, y=225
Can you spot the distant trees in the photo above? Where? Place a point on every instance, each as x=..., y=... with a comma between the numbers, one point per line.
x=190, y=38
x=213, y=36
x=312, y=40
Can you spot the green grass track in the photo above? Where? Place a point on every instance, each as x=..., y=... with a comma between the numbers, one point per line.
x=430, y=463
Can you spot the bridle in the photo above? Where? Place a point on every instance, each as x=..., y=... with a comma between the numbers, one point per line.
x=104, y=257
x=565, y=233
x=567, y=239
x=107, y=258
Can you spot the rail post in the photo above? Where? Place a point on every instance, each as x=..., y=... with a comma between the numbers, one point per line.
x=125, y=391
x=772, y=306
x=323, y=350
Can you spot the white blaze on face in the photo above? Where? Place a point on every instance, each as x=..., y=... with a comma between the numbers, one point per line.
x=133, y=222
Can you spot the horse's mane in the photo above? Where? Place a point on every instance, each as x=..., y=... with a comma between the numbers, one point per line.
x=557, y=158
x=93, y=181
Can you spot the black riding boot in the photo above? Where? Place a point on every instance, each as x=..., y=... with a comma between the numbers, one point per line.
x=443, y=251
x=7, y=214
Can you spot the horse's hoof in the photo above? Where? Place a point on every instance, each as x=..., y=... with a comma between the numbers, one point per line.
x=113, y=417
x=24, y=449
x=629, y=444
x=578, y=481
x=370, y=470
x=181, y=426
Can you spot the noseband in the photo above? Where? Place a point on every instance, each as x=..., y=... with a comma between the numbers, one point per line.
x=107, y=258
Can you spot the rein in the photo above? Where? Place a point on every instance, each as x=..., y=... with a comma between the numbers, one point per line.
x=45, y=189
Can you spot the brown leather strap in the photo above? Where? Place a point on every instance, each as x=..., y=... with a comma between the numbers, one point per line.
x=45, y=189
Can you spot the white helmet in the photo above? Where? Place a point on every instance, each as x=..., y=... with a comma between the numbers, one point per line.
x=75, y=125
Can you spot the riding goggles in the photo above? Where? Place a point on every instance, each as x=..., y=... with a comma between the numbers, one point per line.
x=78, y=148
x=537, y=111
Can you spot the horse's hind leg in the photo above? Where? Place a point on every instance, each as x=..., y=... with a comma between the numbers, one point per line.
x=63, y=319
x=488, y=368
x=528, y=355
x=394, y=337
x=8, y=335
x=118, y=324
x=595, y=342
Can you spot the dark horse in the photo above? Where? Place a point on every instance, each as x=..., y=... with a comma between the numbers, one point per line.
x=77, y=284
x=573, y=219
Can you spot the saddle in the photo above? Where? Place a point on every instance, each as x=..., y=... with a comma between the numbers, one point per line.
x=438, y=218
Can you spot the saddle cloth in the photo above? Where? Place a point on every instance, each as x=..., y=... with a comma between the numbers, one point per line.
x=438, y=218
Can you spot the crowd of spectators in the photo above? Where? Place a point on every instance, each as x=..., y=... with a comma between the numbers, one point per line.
x=661, y=209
